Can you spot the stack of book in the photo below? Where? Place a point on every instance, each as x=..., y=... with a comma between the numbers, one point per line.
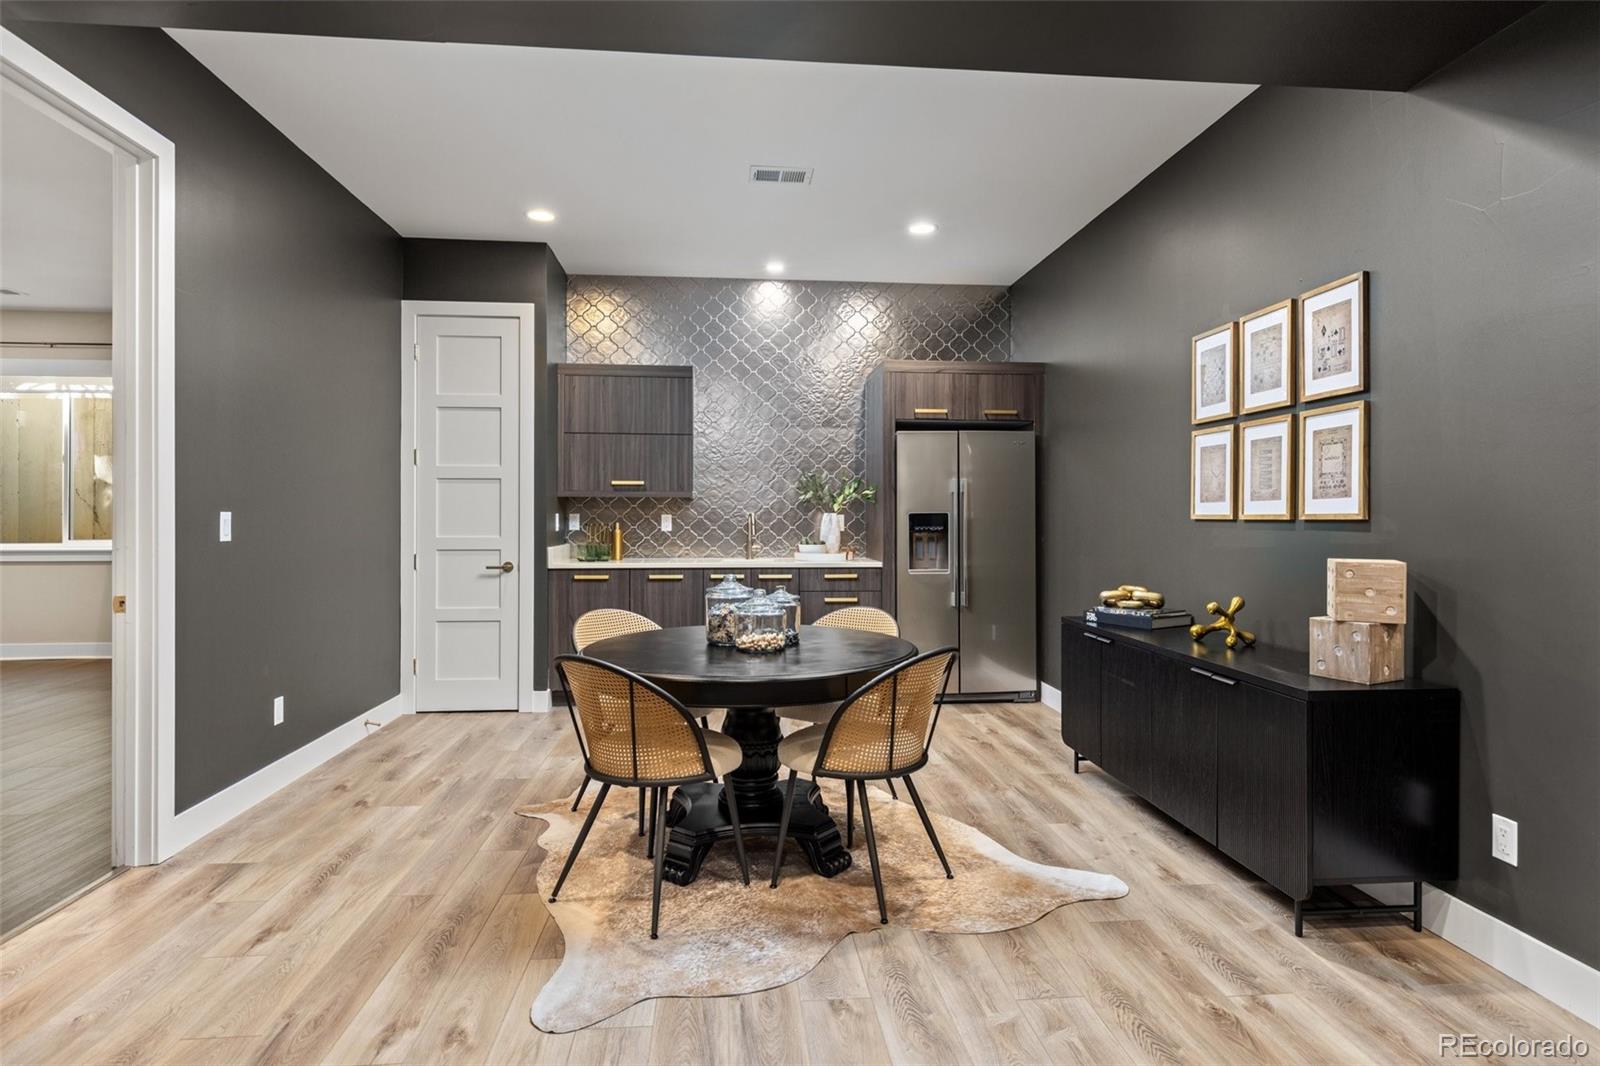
x=1138, y=617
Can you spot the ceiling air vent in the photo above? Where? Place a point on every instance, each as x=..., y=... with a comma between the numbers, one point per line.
x=763, y=175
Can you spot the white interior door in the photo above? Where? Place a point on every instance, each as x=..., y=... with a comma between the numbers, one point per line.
x=469, y=576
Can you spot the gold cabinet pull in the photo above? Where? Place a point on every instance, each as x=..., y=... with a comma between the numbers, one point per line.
x=841, y=577
x=774, y=577
x=1000, y=412
x=591, y=577
x=664, y=577
x=627, y=483
x=926, y=411
x=841, y=599
x=719, y=577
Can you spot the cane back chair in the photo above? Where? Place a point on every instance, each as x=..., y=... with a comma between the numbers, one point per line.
x=881, y=731
x=633, y=734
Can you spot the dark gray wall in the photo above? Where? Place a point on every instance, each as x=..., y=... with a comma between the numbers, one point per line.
x=779, y=372
x=288, y=325
x=1472, y=200
x=508, y=272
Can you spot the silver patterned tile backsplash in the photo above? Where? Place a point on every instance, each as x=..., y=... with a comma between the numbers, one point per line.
x=779, y=371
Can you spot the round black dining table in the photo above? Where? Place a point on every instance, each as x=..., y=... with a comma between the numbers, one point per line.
x=826, y=666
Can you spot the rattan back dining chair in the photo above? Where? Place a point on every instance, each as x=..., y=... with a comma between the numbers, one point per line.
x=601, y=624
x=633, y=733
x=881, y=731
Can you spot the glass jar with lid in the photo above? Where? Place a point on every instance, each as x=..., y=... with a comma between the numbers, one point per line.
x=760, y=626
x=791, y=614
x=722, y=627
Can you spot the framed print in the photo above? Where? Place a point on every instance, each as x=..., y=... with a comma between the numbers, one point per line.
x=1333, y=462
x=1333, y=339
x=1266, y=358
x=1211, y=375
x=1211, y=474
x=1266, y=469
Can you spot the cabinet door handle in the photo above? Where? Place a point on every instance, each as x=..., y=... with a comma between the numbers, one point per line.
x=591, y=577
x=719, y=577
x=1202, y=673
x=1093, y=636
x=774, y=577
x=664, y=577
x=841, y=577
x=930, y=412
x=1221, y=679
x=841, y=599
x=627, y=483
x=1000, y=412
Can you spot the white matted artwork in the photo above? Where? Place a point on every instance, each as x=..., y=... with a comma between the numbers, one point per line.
x=1333, y=462
x=1266, y=469
x=1333, y=338
x=1266, y=358
x=1212, y=384
x=1211, y=474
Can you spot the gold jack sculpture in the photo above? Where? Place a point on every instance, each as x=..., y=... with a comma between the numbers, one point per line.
x=1224, y=623
x=1132, y=596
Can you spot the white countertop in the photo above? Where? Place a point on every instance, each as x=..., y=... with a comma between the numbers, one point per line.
x=740, y=565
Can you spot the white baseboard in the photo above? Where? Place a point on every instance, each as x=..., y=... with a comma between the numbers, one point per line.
x=224, y=806
x=1050, y=696
x=541, y=701
x=55, y=651
x=1553, y=974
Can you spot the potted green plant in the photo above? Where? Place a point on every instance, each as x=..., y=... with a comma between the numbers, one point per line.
x=831, y=500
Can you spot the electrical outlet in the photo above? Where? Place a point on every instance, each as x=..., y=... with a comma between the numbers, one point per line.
x=277, y=710
x=224, y=526
x=573, y=520
x=1503, y=841
x=666, y=523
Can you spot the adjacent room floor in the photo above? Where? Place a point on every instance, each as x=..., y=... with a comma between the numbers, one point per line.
x=55, y=782
x=381, y=910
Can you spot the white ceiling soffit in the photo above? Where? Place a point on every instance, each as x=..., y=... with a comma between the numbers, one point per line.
x=55, y=213
x=645, y=159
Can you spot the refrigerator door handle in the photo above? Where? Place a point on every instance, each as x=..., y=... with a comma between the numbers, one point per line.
x=963, y=504
x=955, y=554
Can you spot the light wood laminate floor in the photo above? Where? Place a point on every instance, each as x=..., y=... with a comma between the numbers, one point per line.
x=55, y=782
x=382, y=910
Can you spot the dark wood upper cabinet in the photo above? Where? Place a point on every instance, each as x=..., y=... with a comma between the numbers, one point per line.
x=625, y=431
x=1005, y=397
x=926, y=396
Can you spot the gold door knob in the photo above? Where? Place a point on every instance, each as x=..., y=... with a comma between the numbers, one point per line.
x=504, y=568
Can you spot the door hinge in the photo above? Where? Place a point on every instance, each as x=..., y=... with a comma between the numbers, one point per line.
x=413, y=668
x=119, y=605
x=414, y=348
x=413, y=457
x=413, y=561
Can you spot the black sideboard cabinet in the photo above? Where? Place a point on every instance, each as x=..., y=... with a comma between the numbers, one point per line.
x=1306, y=782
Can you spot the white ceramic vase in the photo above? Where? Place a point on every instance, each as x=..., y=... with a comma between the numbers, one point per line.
x=830, y=530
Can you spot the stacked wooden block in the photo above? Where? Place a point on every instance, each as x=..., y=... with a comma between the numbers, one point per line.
x=1362, y=638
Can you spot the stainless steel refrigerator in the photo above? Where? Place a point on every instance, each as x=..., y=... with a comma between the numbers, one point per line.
x=966, y=571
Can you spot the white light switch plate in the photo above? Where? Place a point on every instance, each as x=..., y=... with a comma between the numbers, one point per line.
x=277, y=710
x=224, y=526
x=666, y=523
x=572, y=521
x=1503, y=843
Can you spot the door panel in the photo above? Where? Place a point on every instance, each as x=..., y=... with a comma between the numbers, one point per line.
x=467, y=420
x=1183, y=744
x=925, y=561
x=627, y=403
x=1125, y=716
x=930, y=396
x=996, y=546
x=1005, y=396
x=626, y=464
x=668, y=598
x=576, y=592
x=813, y=605
x=1080, y=691
x=1261, y=787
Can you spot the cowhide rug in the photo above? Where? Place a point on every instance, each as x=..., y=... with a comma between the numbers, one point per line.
x=720, y=938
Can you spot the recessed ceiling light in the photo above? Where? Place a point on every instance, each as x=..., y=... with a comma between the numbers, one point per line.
x=541, y=214
x=922, y=228
x=775, y=266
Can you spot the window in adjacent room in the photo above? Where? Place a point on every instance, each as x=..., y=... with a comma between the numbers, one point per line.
x=55, y=461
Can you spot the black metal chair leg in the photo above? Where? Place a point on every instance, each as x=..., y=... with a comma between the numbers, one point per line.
x=705, y=723
x=581, y=790
x=890, y=782
x=927, y=823
x=650, y=845
x=583, y=834
x=641, y=812
x=738, y=833
x=658, y=801
x=872, y=853
x=783, y=825
x=849, y=816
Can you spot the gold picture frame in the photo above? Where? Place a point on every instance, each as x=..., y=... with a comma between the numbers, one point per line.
x=1253, y=464
x=1342, y=457
x=1333, y=339
x=1205, y=403
x=1256, y=394
x=1205, y=470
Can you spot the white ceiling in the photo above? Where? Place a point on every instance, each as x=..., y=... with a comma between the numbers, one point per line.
x=55, y=213
x=645, y=158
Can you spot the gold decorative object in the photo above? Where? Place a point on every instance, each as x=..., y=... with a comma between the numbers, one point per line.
x=1224, y=623
x=1133, y=597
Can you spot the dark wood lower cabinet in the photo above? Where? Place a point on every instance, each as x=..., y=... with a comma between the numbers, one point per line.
x=668, y=597
x=813, y=605
x=1307, y=782
x=574, y=593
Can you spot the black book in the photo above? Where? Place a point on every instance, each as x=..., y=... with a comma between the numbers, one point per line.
x=1135, y=618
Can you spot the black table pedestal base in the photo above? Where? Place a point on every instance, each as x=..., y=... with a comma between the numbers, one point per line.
x=698, y=815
